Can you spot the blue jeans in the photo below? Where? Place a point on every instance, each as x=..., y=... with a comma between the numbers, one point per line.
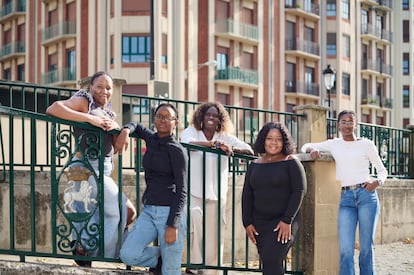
x=360, y=207
x=150, y=225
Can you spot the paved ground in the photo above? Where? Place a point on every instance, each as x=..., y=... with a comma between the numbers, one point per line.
x=391, y=259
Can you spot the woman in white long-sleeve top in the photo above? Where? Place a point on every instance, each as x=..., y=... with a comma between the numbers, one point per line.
x=359, y=203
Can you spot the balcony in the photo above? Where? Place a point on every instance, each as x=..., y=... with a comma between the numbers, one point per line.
x=302, y=48
x=385, y=5
x=237, y=77
x=237, y=31
x=59, y=32
x=368, y=31
x=375, y=101
x=59, y=77
x=386, y=102
x=12, y=9
x=371, y=67
x=11, y=50
x=302, y=8
x=304, y=89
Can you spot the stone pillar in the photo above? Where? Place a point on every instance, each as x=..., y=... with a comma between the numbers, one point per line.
x=313, y=124
x=318, y=240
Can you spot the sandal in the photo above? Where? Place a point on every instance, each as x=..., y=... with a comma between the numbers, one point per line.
x=75, y=252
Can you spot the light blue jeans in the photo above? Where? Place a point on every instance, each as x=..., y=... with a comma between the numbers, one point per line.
x=357, y=207
x=150, y=226
x=111, y=213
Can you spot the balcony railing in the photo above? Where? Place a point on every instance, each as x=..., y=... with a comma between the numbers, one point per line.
x=16, y=47
x=238, y=29
x=237, y=74
x=385, y=3
x=13, y=7
x=302, y=45
x=58, y=76
x=58, y=30
x=292, y=86
x=304, y=5
x=371, y=100
x=382, y=34
x=377, y=67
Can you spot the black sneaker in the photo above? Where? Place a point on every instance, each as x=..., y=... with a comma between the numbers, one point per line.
x=157, y=269
x=75, y=252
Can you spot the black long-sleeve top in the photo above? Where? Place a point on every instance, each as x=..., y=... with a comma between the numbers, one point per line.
x=273, y=191
x=165, y=166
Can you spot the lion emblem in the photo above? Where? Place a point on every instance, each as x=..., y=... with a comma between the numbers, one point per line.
x=83, y=195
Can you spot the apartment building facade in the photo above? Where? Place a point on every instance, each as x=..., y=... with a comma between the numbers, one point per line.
x=250, y=53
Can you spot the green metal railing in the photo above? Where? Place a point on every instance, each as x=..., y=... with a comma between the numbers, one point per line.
x=61, y=145
x=394, y=144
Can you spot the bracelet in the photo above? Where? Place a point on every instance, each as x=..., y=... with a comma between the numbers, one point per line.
x=213, y=144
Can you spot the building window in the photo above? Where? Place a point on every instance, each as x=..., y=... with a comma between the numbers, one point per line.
x=346, y=84
x=222, y=61
x=378, y=25
x=20, y=72
x=309, y=80
x=290, y=77
x=364, y=21
x=406, y=97
x=406, y=122
x=347, y=46
x=331, y=8
x=130, y=7
x=331, y=43
x=70, y=65
x=164, y=6
x=290, y=36
x=309, y=34
x=406, y=63
x=405, y=4
x=7, y=74
x=364, y=91
x=406, y=31
x=223, y=98
x=248, y=61
x=136, y=49
x=164, y=59
x=345, y=9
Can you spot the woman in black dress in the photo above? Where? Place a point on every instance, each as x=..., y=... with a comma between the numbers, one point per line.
x=274, y=187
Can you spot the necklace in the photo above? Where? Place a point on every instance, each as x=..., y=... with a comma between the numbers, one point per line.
x=273, y=157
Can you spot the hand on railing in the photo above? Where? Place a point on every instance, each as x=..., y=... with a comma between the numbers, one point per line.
x=122, y=141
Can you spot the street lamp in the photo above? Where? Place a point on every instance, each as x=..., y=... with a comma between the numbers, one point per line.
x=329, y=78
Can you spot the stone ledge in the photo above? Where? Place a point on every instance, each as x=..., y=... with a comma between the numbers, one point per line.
x=26, y=268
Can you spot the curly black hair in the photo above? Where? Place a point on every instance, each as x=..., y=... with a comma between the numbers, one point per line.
x=289, y=145
x=225, y=124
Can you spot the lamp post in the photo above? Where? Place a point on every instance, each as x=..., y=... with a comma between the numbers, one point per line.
x=329, y=78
